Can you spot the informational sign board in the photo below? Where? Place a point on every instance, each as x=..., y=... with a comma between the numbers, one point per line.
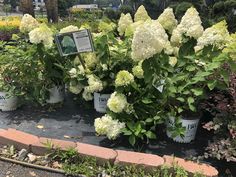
x=74, y=42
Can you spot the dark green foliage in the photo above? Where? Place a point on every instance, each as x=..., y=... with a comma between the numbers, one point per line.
x=112, y=14
x=126, y=9
x=63, y=6
x=181, y=8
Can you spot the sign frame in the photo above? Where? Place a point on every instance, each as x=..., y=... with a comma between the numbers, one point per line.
x=73, y=42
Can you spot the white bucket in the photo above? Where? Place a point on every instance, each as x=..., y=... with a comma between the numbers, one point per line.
x=8, y=104
x=56, y=94
x=190, y=131
x=100, y=102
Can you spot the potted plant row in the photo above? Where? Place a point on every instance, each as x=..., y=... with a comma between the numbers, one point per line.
x=174, y=66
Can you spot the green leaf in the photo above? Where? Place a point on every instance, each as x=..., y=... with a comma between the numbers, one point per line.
x=130, y=125
x=172, y=89
x=211, y=84
x=147, y=101
x=212, y=66
x=191, y=68
x=180, y=110
x=132, y=140
x=190, y=100
x=225, y=76
x=190, y=103
x=197, y=91
x=151, y=135
x=180, y=99
x=127, y=132
x=149, y=120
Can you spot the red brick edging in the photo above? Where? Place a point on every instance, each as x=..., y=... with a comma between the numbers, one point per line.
x=37, y=145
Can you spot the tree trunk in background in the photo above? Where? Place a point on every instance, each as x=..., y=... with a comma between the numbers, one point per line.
x=27, y=7
x=52, y=10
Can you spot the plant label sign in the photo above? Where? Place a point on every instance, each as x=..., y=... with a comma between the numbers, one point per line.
x=74, y=42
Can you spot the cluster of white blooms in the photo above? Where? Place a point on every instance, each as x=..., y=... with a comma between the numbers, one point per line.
x=230, y=47
x=109, y=127
x=167, y=20
x=138, y=70
x=217, y=35
x=124, y=22
x=173, y=61
x=94, y=84
x=76, y=89
x=42, y=34
x=141, y=14
x=105, y=27
x=149, y=39
x=124, y=78
x=131, y=28
x=190, y=25
x=87, y=96
x=73, y=73
x=81, y=70
x=90, y=60
x=69, y=29
x=28, y=23
x=117, y=102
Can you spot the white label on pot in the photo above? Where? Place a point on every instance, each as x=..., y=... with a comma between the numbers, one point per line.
x=100, y=102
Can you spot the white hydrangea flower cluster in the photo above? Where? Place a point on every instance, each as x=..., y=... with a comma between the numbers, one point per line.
x=141, y=14
x=117, y=102
x=190, y=25
x=149, y=39
x=167, y=20
x=138, y=70
x=42, y=34
x=125, y=21
x=28, y=23
x=90, y=60
x=75, y=89
x=109, y=127
x=230, y=47
x=73, y=73
x=173, y=61
x=217, y=35
x=87, y=96
x=124, y=78
x=69, y=29
x=94, y=84
x=131, y=28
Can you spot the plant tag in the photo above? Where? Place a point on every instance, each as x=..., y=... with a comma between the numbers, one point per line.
x=159, y=85
x=74, y=42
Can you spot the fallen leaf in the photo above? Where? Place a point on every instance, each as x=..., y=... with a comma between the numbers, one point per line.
x=67, y=137
x=32, y=173
x=40, y=126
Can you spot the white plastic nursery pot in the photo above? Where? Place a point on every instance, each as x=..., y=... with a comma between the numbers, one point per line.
x=8, y=104
x=100, y=102
x=191, y=126
x=56, y=94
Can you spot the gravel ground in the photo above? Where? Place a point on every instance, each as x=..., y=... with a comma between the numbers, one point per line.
x=13, y=170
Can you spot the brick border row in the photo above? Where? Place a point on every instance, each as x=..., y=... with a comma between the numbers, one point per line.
x=36, y=145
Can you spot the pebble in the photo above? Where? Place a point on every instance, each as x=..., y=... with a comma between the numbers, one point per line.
x=32, y=157
x=22, y=154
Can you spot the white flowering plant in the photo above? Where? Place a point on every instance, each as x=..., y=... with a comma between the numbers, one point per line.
x=173, y=69
x=41, y=49
x=99, y=68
